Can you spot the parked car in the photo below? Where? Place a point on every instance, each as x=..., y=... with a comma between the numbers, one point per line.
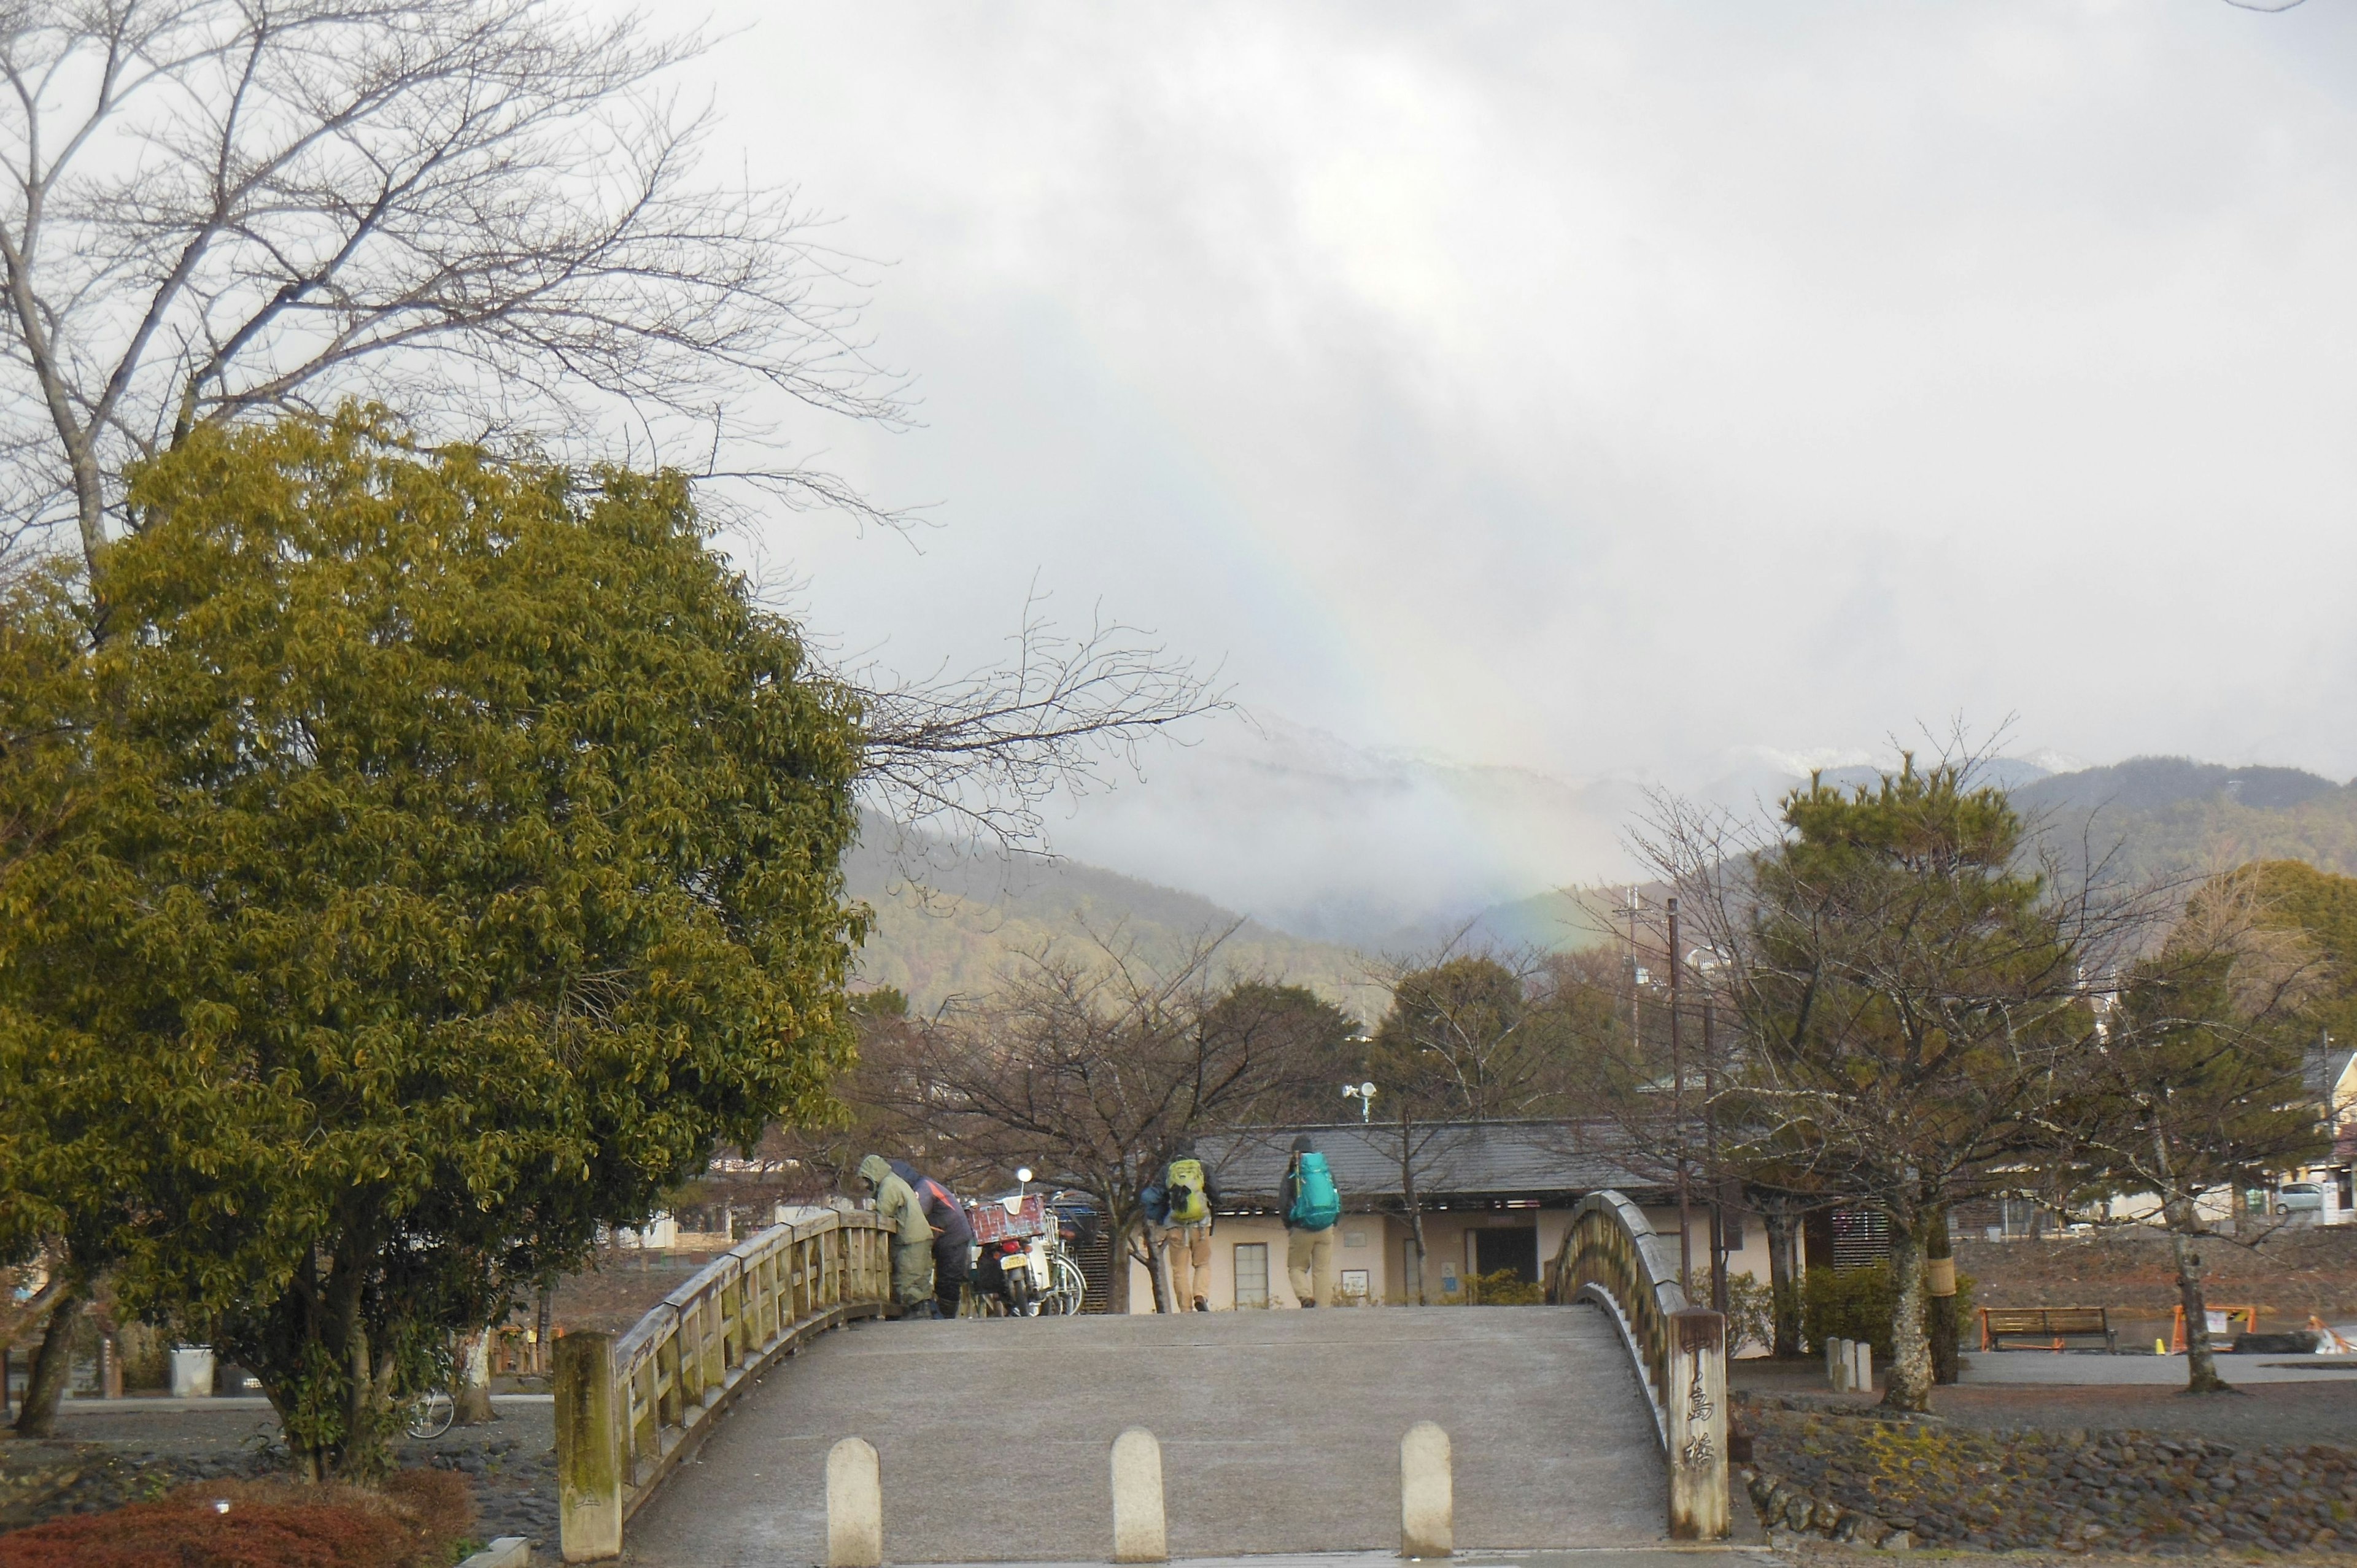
x=2299, y=1198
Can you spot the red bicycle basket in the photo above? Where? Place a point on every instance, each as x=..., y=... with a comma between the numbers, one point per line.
x=992, y=1223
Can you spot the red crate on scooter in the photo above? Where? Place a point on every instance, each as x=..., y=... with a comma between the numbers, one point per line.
x=1002, y=1219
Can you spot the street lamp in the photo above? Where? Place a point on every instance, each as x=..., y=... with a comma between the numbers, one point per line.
x=1365, y=1093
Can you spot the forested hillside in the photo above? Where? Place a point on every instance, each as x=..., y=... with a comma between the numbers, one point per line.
x=2170, y=816
x=951, y=923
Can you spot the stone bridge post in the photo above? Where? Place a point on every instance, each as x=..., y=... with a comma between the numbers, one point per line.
x=1698, y=1418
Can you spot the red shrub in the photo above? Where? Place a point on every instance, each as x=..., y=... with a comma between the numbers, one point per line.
x=269, y=1524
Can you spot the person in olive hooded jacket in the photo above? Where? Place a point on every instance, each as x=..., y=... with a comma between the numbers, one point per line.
x=912, y=1239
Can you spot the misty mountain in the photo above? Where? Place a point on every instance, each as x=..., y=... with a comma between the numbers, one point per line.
x=1371, y=878
x=952, y=923
x=2171, y=816
x=1359, y=846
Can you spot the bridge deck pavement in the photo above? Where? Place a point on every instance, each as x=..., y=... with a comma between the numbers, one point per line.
x=1280, y=1434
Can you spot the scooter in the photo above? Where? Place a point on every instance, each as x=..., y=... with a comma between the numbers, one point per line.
x=1011, y=1235
x=1022, y=1263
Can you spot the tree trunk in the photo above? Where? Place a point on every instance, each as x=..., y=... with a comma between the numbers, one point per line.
x=1156, y=1275
x=1415, y=1203
x=1909, y=1387
x=52, y=1366
x=2200, y=1363
x=1947, y=1364
x=472, y=1395
x=2184, y=1244
x=1783, y=1288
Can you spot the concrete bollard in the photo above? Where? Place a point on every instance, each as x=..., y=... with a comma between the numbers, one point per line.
x=1837, y=1365
x=1139, y=1535
x=854, y=1506
x=1428, y=1493
x=1861, y=1366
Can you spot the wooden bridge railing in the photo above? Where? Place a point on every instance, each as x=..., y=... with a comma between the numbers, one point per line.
x=630, y=1407
x=1611, y=1256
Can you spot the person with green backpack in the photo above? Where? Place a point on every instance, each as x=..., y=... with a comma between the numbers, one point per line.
x=1178, y=1205
x=1311, y=1204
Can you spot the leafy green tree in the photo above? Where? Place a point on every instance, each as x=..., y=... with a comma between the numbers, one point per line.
x=457, y=865
x=1316, y=1041
x=1910, y=997
x=58, y=1174
x=1454, y=1042
x=2321, y=907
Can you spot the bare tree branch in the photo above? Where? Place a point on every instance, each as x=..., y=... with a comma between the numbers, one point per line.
x=986, y=748
x=487, y=213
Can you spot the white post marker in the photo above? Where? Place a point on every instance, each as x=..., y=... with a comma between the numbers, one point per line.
x=854, y=1506
x=1861, y=1366
x=1137, y=1529
x=1428, y=1493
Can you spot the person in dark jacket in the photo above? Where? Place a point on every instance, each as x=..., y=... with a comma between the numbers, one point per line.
x=952, y=1235
x=1308, y=1254
x=1178, y=1207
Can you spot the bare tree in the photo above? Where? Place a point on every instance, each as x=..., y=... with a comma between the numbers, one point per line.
x=493, y=217
x=2198, y=1081
x=1090, y=1067
x=981, y=751
x=489, y=214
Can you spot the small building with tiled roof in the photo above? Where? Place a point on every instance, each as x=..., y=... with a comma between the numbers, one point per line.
x=1495, y=1196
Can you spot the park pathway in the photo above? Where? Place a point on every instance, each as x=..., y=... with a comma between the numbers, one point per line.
x=1280, y=1434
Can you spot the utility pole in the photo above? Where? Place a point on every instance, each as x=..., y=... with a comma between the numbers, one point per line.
x=1710, y=1156
x=1678, y=1110
x=1636, y=1034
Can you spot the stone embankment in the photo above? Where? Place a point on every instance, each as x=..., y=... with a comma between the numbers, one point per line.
x=1860, y=1475
x=513, y=1477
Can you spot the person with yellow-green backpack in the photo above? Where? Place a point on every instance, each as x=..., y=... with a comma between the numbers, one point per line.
x=1180, y=1203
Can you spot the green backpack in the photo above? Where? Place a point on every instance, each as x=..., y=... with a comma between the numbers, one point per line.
x=1184, y=1184
x=1316, y=1204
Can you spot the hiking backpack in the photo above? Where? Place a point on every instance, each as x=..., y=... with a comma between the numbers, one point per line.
x=1184, y=1184
x=1316, y=1203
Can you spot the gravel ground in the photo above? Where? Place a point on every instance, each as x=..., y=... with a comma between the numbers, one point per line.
x=120, y=1452
x=2323, y=1412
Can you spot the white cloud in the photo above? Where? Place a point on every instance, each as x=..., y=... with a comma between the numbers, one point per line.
x=1599, y=388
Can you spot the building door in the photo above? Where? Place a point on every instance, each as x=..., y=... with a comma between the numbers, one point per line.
x=1517, y=1250
x=1252, y=1273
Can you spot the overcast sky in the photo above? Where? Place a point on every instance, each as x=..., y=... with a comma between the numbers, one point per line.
x=1599, y=388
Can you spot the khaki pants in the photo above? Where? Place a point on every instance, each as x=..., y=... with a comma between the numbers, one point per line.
x=1189, y=1248
x=1310, y=1262
x=912, y=1271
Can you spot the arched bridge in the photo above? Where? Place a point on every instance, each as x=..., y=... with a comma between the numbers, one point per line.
x=702, y=1437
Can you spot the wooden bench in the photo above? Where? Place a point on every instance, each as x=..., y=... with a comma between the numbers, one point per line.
x=2051, y=1324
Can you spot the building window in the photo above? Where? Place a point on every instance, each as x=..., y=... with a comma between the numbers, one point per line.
x=1861, y=1238
x=1252, y=1273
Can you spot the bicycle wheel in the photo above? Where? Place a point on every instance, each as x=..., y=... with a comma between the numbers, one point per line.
x=431, y=1416
x=1072, y=1288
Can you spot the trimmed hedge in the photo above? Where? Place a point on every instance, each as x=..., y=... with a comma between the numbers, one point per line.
x=1857, y=1304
